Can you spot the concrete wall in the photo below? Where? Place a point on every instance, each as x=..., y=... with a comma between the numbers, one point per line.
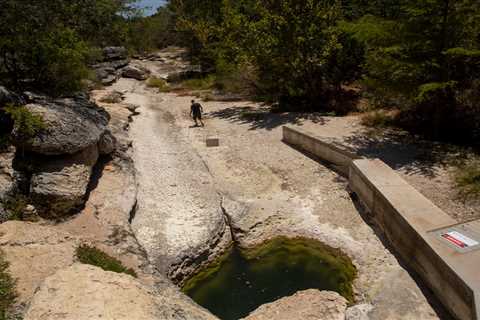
x=408, y=220
x=326, y=149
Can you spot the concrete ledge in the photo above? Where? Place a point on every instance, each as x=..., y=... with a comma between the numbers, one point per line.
x=326, y=149
x=409, y=221
x=407, y=218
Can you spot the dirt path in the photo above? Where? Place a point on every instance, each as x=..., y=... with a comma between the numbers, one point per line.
x=182, y=182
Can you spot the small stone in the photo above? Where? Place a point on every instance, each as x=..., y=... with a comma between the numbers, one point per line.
x=213, y=142
x=135, y=72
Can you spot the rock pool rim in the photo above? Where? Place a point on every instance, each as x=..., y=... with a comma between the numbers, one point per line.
x=274, y=253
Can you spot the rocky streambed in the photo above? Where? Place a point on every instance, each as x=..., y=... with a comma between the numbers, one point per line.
x=184, y=215
x=195, y=202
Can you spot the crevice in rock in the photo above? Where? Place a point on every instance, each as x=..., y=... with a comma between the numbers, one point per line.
x=133, y=113
x=133, y=212
x=96, y=175
x=189, y=265
x=228, y=221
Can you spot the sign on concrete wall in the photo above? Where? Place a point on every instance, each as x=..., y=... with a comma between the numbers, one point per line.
x=463, y=237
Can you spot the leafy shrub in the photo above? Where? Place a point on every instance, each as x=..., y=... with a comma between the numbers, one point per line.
x=468, y=179
x=50, y=49
x=7, y=288
x=27, y=124
x=233, y=78
x=15, y=207
x=96, y=257
x=199, y=83
x=63, y=67
x=160, y=84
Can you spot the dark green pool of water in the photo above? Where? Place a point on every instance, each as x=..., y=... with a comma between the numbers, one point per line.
x=242, y=281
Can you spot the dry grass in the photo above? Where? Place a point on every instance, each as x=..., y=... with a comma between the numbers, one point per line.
x=98, y=258
x=7, y=289
x=112, y=97
x=467, y=178
x=200, y=83
x=160, y=84
x=379, y=118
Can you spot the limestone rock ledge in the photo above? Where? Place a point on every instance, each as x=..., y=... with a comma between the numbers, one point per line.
x=35, y=252
x=83, y=292
x=58, y=162
x=309, y=304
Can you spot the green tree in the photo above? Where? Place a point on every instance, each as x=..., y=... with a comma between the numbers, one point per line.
x=301, y=54
x=425, y=60
x=46, y=44
x=26, y=124
x=153, y=32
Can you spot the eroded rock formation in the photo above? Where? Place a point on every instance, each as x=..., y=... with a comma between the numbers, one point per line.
x=135, y=72
x=59, y=160
x=72, y=125
x=86, y=292
x=309, y=304
x=108, y=70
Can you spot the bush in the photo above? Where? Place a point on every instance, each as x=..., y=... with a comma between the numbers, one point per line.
x=378, y=119
x=7, y=289
x=46, y=45
x=15, y=207
x=467, y=179
x=237, y=79
x=27, y=125
x=199, y=83
x=160, y=84
x=63, y=63
x=98, y=258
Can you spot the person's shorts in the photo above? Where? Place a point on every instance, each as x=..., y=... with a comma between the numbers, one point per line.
x=197, y=116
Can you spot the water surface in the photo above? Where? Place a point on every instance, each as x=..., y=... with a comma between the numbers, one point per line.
x=242, y=281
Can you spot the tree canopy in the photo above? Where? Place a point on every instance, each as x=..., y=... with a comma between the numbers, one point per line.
x=421, y=56
x=46, y=44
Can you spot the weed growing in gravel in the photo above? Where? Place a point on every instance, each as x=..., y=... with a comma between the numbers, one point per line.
x=15, y=207
x=98, y=258
x=160, y=84
x=378, y=119
x=200, y=83
x=7, y=289
x=468, y=179
x=112, y=97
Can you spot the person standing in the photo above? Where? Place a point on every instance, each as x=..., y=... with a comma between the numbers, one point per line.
x=196, y=111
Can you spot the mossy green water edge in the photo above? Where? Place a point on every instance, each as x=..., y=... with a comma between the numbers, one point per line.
x=243, y=279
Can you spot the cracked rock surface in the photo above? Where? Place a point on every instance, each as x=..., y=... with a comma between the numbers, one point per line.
x=178, y=220
x=268, y=190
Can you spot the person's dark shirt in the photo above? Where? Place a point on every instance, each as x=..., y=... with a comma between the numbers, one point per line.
x=196, y=108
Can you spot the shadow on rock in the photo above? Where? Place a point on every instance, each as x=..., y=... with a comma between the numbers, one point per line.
x=405, y=152
x=263, y=118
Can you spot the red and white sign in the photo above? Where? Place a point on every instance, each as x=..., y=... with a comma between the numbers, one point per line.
x=459, y=239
